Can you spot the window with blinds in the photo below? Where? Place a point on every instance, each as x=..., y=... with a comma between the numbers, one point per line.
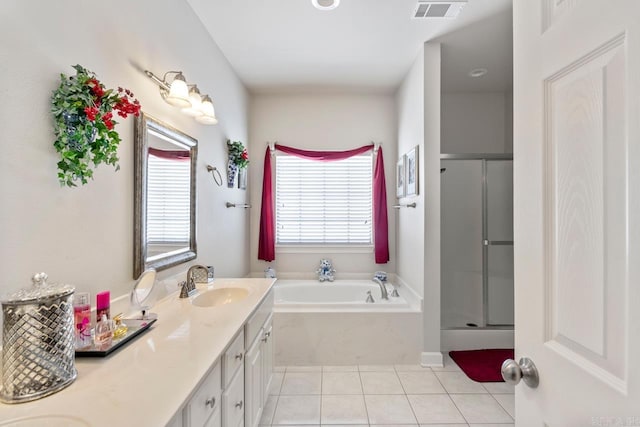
x=324, y=203
x=168, y=189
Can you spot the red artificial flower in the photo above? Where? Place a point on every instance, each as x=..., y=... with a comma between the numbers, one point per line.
x=91, y=113
x=245, y=155
x=124, y=107
x=106, y=119
x=96, y=88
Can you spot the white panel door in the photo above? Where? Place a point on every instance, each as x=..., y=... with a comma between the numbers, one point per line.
x=577, y=210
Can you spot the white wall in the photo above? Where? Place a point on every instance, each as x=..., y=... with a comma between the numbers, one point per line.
x=419, y=111
x=431, y=185
x=478, y=122
x=321, y=122
x=84, y=236
x=410, y=223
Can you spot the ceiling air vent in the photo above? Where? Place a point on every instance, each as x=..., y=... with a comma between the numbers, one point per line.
x=438, y=9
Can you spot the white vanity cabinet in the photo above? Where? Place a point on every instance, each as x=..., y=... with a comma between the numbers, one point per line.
x=233, y=395
x=204, y=407
x=235, y=390
x=267, y=358
x=258, y=365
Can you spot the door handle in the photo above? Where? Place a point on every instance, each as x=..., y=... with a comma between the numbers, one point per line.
x=525, y=369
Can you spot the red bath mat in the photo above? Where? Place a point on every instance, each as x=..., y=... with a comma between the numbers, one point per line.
x=482, y=365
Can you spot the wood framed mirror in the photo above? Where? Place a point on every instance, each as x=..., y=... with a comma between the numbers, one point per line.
x=165, y=196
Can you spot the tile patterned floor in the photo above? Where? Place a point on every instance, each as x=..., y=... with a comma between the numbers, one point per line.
x=389, y=396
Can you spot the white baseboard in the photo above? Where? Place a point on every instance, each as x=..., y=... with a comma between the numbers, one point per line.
x=433, y=358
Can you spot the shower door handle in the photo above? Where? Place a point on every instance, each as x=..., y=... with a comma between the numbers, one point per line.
x=487, y=242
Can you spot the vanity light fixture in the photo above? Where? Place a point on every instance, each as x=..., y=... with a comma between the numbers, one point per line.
x=325, y=4
x=186, y=97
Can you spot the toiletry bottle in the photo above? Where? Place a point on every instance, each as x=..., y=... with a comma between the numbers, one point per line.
x=104, y=334
x=82, y=318
x=102, y=306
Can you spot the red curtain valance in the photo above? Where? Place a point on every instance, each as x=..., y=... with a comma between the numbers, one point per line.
x=266, y=243
x=169, y=154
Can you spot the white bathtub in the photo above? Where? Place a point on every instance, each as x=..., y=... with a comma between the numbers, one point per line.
x=331, y=324
x=340, y=295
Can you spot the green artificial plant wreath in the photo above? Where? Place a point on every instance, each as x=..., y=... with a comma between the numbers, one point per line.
x=82, y=110
x=238, y=154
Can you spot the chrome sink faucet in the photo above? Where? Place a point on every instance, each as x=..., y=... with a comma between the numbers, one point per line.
x=383, y=288
x=188, y=287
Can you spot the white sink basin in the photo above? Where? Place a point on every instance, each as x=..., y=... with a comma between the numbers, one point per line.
x=220, y=296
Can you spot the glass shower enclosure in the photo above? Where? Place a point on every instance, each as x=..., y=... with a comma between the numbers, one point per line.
x=476, y=240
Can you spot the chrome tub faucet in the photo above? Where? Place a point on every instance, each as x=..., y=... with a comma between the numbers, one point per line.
x=383, y=288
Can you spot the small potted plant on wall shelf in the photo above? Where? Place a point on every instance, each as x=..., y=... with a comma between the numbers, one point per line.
x=238, y=160
x=83, y=111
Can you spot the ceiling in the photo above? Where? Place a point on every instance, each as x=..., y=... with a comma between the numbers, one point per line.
x=485, y=44
x=280, y=46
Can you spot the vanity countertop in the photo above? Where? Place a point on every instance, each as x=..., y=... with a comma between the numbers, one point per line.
x=148, y=381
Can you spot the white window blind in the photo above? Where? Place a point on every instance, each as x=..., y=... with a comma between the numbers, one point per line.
x=168, y=188
x=324, y=203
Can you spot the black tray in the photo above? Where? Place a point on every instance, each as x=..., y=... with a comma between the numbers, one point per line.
x=136, y=327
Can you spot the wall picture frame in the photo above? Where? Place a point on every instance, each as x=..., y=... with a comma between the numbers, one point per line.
x=412, y=171
x=400, y=177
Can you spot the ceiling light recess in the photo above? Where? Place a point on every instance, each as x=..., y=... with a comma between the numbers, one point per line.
x=438, y=8
x=325, y=4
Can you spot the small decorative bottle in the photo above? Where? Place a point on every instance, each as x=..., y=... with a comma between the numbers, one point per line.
x=104, y=334
x=82, y=317
x=103, y=304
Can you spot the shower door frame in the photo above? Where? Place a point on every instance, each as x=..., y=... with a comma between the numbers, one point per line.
x=484, y=157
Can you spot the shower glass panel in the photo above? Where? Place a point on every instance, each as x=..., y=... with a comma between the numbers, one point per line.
x=500, y=285
x=500, y=200
x=461, y=250
x=476, y=241
x=499, y=256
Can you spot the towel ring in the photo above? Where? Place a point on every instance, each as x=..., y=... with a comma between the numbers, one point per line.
x=214, y=171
